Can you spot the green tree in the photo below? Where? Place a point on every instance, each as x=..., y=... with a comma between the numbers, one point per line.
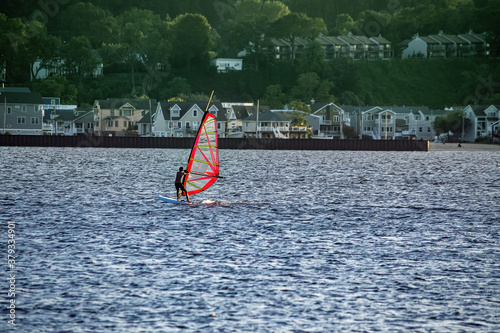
x=301, y=109
x=57, y=86
x=296, y=25
x=307, y=84
x=192, y=38
x=451, y=122
x=141, y=43
x=343, y=25
x=79, y=59
x=252, y=20
x=314, y=58
x=89, y=20
x=274, y=97
x=37, y=45
x=13, y=43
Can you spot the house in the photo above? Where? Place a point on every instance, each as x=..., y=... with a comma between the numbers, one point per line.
x=349, y=46
x=495, y=132
x=326, y=120
x=420, y=123
x=21, y=111
x=393, y=122
x=225, y=64
x=145, y=125
x=481, y=118
x=236, y=112
x=69, y=121
x=182, y=119
x=266, y=125
x=58, y=69
x=120, y=116
x=446, y=46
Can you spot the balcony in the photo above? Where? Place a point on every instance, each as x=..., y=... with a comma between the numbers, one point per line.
x=271, y=129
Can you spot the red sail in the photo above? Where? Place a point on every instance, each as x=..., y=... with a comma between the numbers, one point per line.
x=203, y=162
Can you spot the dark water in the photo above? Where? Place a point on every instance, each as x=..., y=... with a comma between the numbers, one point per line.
x=294, y=242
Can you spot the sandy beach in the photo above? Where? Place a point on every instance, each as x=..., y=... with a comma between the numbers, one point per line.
x=465, y=147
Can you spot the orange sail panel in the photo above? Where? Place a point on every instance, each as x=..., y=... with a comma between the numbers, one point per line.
x=203, y=162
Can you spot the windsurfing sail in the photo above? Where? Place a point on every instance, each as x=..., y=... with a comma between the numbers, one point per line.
x=203, y=164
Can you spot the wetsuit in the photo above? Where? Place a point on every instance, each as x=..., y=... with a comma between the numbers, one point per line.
x=179, y=182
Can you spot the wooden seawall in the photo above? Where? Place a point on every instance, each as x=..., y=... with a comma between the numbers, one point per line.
x=224, y=143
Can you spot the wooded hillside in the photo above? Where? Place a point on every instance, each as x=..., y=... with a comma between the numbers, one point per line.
x=132, y=38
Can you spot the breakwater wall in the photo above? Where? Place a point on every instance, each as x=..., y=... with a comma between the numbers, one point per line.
x=224, y=143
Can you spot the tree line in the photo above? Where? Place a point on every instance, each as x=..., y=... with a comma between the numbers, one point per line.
x=161, y=49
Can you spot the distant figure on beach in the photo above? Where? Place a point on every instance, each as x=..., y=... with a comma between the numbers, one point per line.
x=459, y=145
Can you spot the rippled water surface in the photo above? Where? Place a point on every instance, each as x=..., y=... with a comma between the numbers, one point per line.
x=296, y=241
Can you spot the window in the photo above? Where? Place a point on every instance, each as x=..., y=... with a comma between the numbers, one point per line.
x=179, y=125
x=112, y=113
x=124, y=123
x=35, y=120
x=24, y=108
x=428, y=129
x=175, y=112
x=126, y=112
x=336, y=118
x=116, y=123
x=9, y=110
x=21, y=120
x=195, y=113
x=420, y=129
x=188, y=125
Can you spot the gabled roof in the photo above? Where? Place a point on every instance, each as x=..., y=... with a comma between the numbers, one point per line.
x=185, y=107
x=86, y=117
x=146, y=119
x=15, y=90
x=479, y=110
x=441, y=39
x=316, y=107
x=21, y=97
x=267, y=116
x=350, y=40
x=69, y=115
x=333, y=39
x=244, y=111
x=381, y=40
x=365, y=40
x=137, y=103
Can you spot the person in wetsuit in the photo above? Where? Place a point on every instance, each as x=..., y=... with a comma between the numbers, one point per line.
x=179, y=184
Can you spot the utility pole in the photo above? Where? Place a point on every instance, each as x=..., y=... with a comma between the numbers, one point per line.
x=4, y=111
x=53, y=101
x=257, y=122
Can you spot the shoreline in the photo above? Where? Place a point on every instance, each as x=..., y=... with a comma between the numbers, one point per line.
x=433, y=146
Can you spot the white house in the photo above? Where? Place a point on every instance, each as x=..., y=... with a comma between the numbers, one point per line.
x=226, y=64
x=482, y=118
x=182, y=119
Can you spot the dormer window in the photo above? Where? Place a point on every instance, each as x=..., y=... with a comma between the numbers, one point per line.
x=127, y=112
x=175, y=111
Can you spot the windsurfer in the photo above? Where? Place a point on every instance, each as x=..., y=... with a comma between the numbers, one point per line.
x=179, y=184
